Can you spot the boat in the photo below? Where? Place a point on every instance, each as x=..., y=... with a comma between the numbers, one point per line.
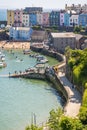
x=2, y=56
x=39, y=57
x=42, y=59
x=2, y=64
x=26, y=51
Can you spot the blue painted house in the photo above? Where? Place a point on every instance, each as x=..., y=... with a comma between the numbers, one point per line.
x=83, y=19
x=3, y=15
x=32, y=19
x=21, y=33
x=54, y=18
x=66, y=19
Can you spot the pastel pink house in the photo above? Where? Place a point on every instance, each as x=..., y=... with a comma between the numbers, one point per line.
x=61, y=19
x=45, y=19
x=18, y=18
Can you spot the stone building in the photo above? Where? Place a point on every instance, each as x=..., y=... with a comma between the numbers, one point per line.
x=39, y=36
x=78, y=8
x=61, y=40
x=79, y=40
x=84, y=45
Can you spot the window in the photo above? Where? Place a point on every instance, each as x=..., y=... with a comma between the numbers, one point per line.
x=70, y=20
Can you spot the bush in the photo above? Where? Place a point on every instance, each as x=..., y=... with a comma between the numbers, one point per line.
x=83, y=115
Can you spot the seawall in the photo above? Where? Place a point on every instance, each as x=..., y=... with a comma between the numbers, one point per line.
x=57, y=85
x=44, y=51
x=53, y=78
x=28, y=75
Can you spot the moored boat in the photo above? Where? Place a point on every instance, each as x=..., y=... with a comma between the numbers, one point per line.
x=2, y=64
x=42, y=59
x=26, y=51
x=2, y=56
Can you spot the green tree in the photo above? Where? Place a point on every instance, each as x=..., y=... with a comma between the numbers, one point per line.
x=77, y=29
x=33, y=127
x=66, y=123
x=54, y=119
x=83, y=115
x=77, y=125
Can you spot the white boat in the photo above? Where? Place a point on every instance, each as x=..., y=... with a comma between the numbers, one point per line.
x=2, y=64
x=42, y=59
x=2, y=56
x=39, y=57
x=26, y=51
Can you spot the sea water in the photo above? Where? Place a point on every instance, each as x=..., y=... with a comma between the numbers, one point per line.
x=24, y=101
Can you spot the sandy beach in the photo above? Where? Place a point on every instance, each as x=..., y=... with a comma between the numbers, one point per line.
x=14, y=45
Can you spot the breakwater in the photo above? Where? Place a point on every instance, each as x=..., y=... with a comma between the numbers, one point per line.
x=49, y=75
x=28, y=75
x=53, y=78
x=47, y=52
x=58, y=85
x=46, y=75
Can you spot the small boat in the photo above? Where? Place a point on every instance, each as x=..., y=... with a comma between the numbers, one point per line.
x=2, y=56
x=26, y=51
x=39, y=57
x=2, y=64
x=42, y=59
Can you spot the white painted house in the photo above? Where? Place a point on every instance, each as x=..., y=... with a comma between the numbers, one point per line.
x=25, y=19
x=39, y=18
x=20, y=33
x=74, y=20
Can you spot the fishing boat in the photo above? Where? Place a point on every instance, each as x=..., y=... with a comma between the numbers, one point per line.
x=2, y=56
x=26, y=51
x=2, y=64
x=41, y=59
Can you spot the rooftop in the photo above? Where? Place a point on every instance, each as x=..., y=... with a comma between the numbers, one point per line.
x=38, y=33
x=21, y=28
x=63, y=35
x=78, y=36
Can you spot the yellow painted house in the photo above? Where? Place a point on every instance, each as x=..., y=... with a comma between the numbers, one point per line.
x=10, y=17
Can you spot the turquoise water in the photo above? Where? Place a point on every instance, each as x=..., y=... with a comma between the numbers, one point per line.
x=20, y=98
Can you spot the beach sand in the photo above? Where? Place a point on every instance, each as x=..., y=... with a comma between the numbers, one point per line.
x=14, y=45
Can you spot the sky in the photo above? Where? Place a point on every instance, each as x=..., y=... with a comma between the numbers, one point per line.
x=46, y=4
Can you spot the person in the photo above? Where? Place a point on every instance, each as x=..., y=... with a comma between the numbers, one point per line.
x=9, y=74
x=72, y=86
